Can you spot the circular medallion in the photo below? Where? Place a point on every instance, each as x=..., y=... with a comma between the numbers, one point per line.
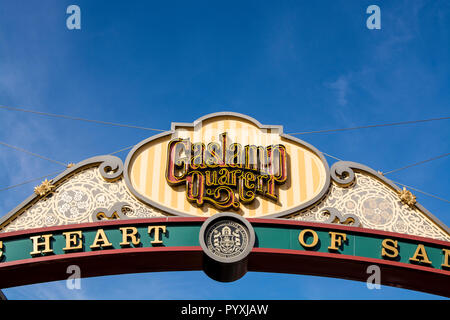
x=227, y=237
x=73, y=204
x=377, y=210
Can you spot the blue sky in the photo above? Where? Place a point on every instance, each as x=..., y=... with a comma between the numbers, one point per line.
x=306, y=65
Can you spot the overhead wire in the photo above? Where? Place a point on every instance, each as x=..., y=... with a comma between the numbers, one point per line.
x=32, y=153
x=31, y=180
x=417, y=163
x=153, y=129
x=371, y=126
x=124, y=149
x=160, y=130
x=329, y=155
x=403, y=185
x=426, y=193
x=79, y=118
x=53, y=174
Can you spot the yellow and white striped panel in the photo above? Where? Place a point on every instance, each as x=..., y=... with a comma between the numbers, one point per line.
x=306, y=172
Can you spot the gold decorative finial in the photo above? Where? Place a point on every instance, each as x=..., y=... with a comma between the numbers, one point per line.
x=44, y=188
x=70, y=165
x=407, y=197
x=381, y=173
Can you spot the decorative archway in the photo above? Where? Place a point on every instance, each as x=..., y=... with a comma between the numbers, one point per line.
x=225, y=195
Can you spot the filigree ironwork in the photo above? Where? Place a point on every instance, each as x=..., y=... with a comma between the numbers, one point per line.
x=376, y=205
x=75, y=199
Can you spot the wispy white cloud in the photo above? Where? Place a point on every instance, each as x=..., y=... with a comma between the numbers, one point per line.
x=47, y=291
x=341, y=87
x=24, y=83
x=24, y=132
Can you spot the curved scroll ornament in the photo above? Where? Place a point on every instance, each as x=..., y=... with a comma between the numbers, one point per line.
x=342, y=174
x=336, y=217
x=111, y=169
x=77, y=193
x=117, y=211
x=376, y=201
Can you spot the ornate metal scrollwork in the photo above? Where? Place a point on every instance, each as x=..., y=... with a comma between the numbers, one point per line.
x=115, y=212
x=336, y=217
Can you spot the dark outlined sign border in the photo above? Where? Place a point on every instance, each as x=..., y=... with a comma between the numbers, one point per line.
x=174, y=127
